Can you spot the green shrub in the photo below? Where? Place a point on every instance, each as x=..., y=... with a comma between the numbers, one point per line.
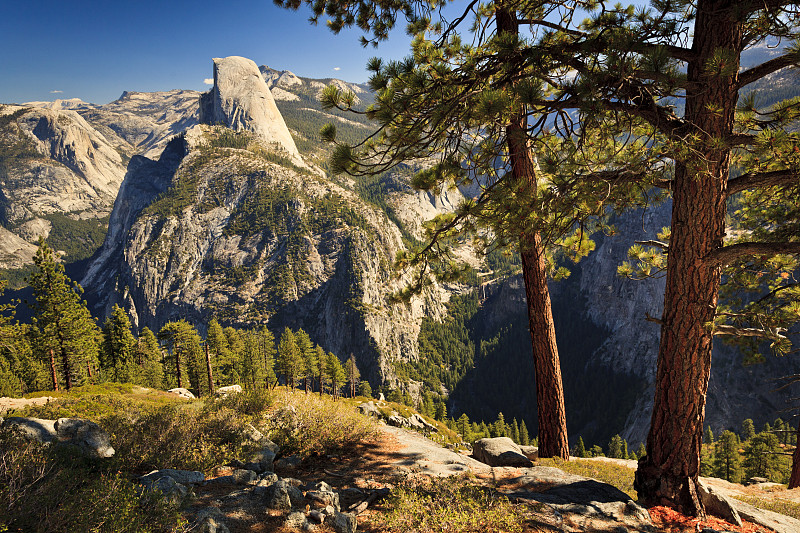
x=310, y=424
x=48, y=489
x=449, y=504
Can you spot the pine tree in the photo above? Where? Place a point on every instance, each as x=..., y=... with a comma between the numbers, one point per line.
x=236, y=348
x=309, y=354
x=117, y=356
x=627, y=69
x=336, y=374
x=352, y=374
x=727, y=461
x=709, y=436
x=364, y=389
x=524, y=437
x=580, y=449
x=20, y=372
x=748, y=429
x=222, y=363
x=186, y=362
x=322, y=369
x=615, y=447
x=441, y=410
x=463, y=427
x=267, y=342
x=148, y=355
x=762, y=459
x=290, y=360
x=65, y=330
x=514, y=429
x=499, y=428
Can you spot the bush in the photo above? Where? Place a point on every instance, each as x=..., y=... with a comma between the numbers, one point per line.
x=309, y=424
x=48, y=489
x=449, y=504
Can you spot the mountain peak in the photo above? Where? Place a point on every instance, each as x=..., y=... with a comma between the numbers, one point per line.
x=241, y=100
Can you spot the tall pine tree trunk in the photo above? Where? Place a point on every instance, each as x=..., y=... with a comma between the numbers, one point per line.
x=668, y=474
x=53, y=372
x=549, y=389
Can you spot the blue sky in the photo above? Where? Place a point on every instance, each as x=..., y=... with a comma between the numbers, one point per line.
x=94, y=50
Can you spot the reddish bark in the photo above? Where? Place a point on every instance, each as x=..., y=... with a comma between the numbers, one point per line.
x=794, y=478
x=668, y=474
x=549, y=389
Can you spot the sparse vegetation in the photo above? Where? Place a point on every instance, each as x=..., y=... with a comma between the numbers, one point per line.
x=614, y=474
x=449, y=504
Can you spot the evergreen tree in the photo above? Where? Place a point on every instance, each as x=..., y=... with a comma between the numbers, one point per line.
x=290, y=360
x=336, y=374
x=625, y=454
x=709, y=436
x=727, y=461
x=441, y=410
x=524, y=437
x=253, y=370
x=222, y=360
x=322, y=369
x=148, y=356
x=463, y=427
x=641, y=451
x=499, y=428
x=352, y=374
x=748, y=429
x=580, y=449
x=236, y=348
x=267, y=341
x=185, y=361
x=117, y=356
x=621, y=70
x=65, y=330
x=762, y=457
x=615, y=447
x=514, y=429
x=309, y=354
x=364, y=389
x=20, y=372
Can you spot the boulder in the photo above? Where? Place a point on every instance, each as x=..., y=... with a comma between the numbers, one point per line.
x=717, y=504
x=397, y=421
x=85, y=434
x=261, y=461
x=369, y=409
x=531, y=452
x=288, y=463
x=321, y=499
x=416, y=421
x=344, y=523
x=276, y=496
x=172, y=491
x=243, y=476
x=183, y=393
x=180, y=476
x=230, y=389
x=295, y=520
x=499, y=451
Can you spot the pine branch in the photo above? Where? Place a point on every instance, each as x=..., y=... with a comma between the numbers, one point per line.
x=728, y=254
x=775, y=334
x=658, y=244
x=753, y=180
x=768, y=67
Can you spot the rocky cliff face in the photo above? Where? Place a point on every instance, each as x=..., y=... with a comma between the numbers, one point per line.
x=245, y=235
x=63, y=162
x=241, y=100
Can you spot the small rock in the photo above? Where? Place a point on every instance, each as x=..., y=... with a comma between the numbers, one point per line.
x=172, y=491
x=288, y=463
x=266, y=479
x=369, y=409
x=531, y=452
x=316, y=516
x=209, y=520
x=230, y=389
x=344, y=523
x=320, y=499
x=261, y=461
x=244, y=477
x=180, y=476
x=223, y=471
x=253, y=434
x=184, y=393
x=295, y=520
x=276, y=496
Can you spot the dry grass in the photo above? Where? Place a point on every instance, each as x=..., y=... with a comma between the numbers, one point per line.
x=778, y=505
x=618, y=476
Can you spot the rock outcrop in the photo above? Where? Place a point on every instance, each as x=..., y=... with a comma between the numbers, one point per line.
x=82, y=434
x=241, y=100
x=499, y=451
